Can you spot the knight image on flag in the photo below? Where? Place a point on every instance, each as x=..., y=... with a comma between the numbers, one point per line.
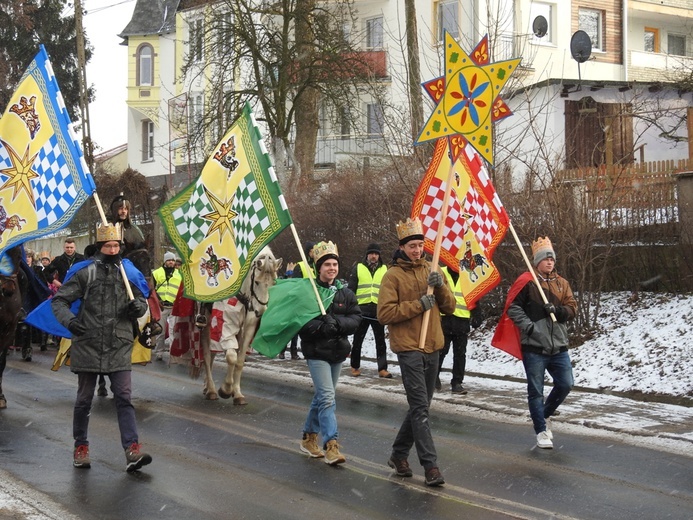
x=476, y=221
x=222, y=220
x=44, y=178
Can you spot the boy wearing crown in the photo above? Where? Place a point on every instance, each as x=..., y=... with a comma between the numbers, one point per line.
x=402, y=302
x=102, y=339
x=544, y=343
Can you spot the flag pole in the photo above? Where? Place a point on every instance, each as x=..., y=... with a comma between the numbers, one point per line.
x=311, y=276
x=436, y=248
x=104, y=221
x=530, y=268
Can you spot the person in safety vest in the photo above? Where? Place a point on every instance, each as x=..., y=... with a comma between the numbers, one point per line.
x=167, y=279
x=456, y=327
x=365, y=281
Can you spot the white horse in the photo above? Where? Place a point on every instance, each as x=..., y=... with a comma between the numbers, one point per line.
x=233, y=324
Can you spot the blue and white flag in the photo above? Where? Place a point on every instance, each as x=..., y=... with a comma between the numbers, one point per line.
x=44, y=178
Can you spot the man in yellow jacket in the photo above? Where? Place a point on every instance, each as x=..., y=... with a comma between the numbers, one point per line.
x=402, y=302
x=167, y=279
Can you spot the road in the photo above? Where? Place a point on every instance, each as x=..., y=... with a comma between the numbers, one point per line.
x=213, y=460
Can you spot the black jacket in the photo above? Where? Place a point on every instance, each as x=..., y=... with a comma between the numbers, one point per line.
x=333, y=349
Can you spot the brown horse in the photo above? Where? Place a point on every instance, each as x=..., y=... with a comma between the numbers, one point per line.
x=10, y=308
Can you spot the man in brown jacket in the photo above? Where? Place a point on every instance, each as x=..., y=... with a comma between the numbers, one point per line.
x=402, y=302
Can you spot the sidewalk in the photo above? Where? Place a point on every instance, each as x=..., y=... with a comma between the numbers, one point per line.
x=659, y=426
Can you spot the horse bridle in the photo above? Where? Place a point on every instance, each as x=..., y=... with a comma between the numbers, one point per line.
x=248, y=301
x=8, y=284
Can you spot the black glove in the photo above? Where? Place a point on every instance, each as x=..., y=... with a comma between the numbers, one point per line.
x=476, y=319
x=435, y=279
x=427, y=301
x=134, y=309
x=329, y=325
x=549, y=309
x=76, y=327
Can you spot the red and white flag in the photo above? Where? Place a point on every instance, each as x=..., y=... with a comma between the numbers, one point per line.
x=476, y=221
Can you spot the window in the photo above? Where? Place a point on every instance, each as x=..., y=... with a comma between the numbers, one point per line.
x=590, y=21
x=651, y=43
x=545, y=10
x=147, y=140
x=344, y=122
x=224, y=31
x=676, y=44
x=375, y=119
x=196, y=39
x=447, y=17
x=145, y=65
x=374, y=33
x=195, y=113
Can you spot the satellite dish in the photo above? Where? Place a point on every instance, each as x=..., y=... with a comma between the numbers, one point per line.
x=581, y=46
x=540, y=26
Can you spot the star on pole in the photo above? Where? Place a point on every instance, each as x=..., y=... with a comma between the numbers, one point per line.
x=468, y=98
x=221, y=217
x=20, y=173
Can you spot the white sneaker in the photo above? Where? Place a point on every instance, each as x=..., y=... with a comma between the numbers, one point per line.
x=544, y=441
x=548, y=428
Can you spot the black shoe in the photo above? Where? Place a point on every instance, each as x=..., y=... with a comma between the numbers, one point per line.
x=439, y=385
x=434, y=477
x=458, y=389
x=401, y=467
x=102, y=392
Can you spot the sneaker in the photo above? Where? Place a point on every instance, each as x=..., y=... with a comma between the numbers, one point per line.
x=548, y=428
x=309, y=445
x=136, y=458
x=355, y=372
x=332, y=455
x=385, y=374
x=544, y=441
x=458, y=389
x=434, y=477
x=80, y=458
x=401, y=467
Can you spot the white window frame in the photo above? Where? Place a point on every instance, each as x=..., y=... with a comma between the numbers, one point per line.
x=685, y=43
x=375, y=33
x=447, y=18
x=548, y=11
x=147, y=140
x=588, y=15
x=375, y=119
x=196, y=39
x=145, y=66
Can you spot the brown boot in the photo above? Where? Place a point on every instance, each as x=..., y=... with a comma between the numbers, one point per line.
x=332, y=455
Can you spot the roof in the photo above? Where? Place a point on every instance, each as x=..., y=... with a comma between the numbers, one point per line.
x=152, y=17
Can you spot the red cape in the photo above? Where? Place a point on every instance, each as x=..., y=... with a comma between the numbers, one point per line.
x=507, y=335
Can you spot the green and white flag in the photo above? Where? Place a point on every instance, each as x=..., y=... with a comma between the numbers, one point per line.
x=222, y=220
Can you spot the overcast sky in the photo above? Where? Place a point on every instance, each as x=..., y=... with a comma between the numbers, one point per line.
x=107, y=71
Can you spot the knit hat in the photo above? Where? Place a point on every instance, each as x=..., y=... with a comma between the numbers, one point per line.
x=324, y=250
x=410, y=229
x=373, y=248
x=169, y=256
x=542, y=249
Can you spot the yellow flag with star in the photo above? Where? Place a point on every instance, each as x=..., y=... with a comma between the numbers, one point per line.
x=222, y=220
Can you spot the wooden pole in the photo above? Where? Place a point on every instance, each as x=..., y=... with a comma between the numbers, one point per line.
x=436, y=250
x=310, y=271
x=529, y=266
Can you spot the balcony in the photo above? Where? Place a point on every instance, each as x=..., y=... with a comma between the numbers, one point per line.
x=654, y=66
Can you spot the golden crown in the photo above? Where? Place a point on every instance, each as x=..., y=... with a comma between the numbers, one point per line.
x=45, y=254
x=108, y=233
x=541, y=244
x=324, y=248
x=24, y=106
x=409, y=227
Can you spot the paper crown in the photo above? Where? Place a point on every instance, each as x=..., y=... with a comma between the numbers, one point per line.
x=542, y=249
x=322, y=249
x=409, y=228
x=108, y=233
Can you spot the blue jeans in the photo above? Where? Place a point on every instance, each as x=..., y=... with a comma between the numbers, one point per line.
x=322, y=417
x=419, y=372
x=121, y=386
x=561, y=371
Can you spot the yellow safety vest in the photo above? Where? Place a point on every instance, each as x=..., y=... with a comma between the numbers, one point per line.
x=167, y=290
x=304, y=269
x=369, y=284
x=461, y=310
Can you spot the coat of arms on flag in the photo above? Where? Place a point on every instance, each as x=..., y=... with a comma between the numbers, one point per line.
x=222, y=220
x=476, y=221
x=43, y=176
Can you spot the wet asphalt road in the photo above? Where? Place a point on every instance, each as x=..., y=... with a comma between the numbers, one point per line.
x=215, y=460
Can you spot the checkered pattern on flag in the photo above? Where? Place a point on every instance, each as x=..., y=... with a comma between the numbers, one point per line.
x=222, y=220
x=476, y=221
x=44, y=179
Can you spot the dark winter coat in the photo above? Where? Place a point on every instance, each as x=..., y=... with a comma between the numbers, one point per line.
x=63, y=263
x=333, y=349
x=107, y=344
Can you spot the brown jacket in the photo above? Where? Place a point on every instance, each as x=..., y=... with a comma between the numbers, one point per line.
x=400, y=309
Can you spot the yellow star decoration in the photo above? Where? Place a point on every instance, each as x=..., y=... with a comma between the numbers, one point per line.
x=466, y=105
x=222, y=216
x=20, y=173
